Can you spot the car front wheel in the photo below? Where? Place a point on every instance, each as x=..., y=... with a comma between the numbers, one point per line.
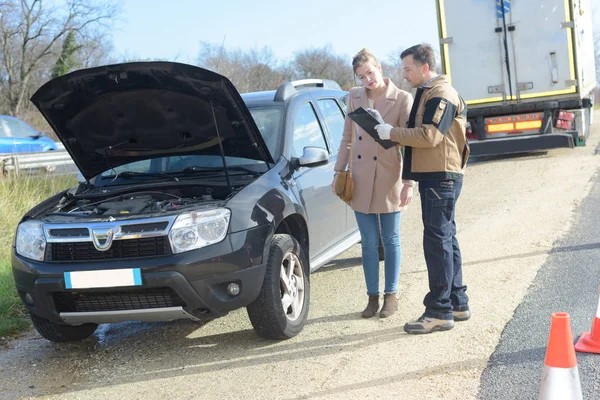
x=61, y=333
x=281, y=308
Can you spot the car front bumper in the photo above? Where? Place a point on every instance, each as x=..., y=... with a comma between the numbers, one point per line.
x=188, y=285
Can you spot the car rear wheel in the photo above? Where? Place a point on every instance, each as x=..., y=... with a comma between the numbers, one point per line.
x=62, y=333
x=281, y=308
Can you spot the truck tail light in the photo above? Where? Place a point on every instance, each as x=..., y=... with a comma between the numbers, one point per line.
x=564, y=120
x=469, y=132
x=514, y=124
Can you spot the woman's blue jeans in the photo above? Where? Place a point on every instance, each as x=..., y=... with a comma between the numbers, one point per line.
x=390, y=232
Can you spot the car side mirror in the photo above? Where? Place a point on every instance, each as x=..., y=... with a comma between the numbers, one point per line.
x=313, y=157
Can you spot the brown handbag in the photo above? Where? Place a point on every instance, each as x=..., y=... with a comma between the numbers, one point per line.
x=344, y=184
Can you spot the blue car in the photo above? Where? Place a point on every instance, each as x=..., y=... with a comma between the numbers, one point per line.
x=18, y=137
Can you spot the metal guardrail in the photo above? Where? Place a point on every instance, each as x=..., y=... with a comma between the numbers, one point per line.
x=47, y=161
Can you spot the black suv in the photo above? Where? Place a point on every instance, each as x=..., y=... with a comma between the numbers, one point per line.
x=195, y=201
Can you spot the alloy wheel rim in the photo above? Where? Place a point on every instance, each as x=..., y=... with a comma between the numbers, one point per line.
x=291, y=280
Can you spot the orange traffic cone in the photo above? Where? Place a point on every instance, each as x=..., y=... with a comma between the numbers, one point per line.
x=589, y=342
x=560, y=380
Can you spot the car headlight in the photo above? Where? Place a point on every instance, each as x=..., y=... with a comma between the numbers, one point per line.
x=199, y=229
x=30, y=241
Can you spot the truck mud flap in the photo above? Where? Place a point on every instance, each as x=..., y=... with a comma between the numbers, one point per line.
x=521, y=144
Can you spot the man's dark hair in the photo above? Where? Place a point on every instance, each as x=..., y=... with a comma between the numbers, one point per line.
x=422, y=54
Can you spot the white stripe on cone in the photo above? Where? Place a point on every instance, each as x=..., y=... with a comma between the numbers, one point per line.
x=560, y=384
x=598, y=310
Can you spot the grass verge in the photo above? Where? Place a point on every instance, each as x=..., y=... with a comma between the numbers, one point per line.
x=17, y=196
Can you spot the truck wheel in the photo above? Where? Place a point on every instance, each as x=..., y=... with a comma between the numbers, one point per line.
x=281, y=308
x=61, y=333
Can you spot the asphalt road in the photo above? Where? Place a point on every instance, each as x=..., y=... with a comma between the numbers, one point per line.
x=567, y=282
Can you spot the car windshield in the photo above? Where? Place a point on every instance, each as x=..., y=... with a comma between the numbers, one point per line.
x=18, y=129
x=173, y=167
x=268, y=120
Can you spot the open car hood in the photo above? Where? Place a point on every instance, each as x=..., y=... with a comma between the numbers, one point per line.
x=117, y=114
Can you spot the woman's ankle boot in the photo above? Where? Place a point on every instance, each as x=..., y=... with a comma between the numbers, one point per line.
x=372, y=307
x=390, y=305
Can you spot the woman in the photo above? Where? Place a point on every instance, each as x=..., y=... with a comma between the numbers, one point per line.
x=378, y=187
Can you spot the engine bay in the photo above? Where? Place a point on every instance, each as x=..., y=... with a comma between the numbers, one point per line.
x=142, y=202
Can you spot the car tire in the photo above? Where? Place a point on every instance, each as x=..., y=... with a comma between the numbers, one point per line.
x=281, y=308
x=62, y=333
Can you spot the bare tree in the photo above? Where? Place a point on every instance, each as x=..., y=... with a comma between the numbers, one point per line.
x=324, y=63
x=31, y=34
x=287, y=71
x=251, y=70
x=94, y=50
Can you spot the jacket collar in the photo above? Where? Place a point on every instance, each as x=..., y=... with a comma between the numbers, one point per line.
x=436, y=81
x=384, y=104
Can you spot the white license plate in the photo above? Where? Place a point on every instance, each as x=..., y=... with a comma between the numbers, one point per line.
x=103, y=278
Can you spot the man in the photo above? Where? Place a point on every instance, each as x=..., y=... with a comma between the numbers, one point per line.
x=436, y=154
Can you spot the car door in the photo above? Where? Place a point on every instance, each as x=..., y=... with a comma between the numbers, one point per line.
x=326, y=214
x=332, y=110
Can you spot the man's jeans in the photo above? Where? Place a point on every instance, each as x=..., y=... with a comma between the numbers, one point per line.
x=442, y=254
x=390, y=233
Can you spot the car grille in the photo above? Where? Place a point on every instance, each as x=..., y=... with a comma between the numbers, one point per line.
x=117, y=301
x=130, y=248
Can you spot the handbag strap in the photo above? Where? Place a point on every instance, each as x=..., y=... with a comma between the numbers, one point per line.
x=351, y=133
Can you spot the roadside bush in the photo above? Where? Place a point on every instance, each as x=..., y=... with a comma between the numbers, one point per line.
x=17, y=196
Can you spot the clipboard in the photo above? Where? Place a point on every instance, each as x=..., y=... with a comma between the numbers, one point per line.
x=367, y=122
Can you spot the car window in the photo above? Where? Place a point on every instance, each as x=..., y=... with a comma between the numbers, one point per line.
x=3, y=132
x=344, y=102
x=334, y=119
x=268, y=121
x=307, y=130
x=18, y=129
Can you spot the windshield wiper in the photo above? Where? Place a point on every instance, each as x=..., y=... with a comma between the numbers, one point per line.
x=196, y=168
x=133, y=174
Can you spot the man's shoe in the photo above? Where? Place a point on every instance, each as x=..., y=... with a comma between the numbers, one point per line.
x=372, y=307
x=427, y=325
x=390, y=305
x=461, y=315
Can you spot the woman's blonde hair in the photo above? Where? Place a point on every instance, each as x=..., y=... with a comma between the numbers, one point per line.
x=363, y=56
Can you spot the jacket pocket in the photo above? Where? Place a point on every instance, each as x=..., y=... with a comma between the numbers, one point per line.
x=439, y=112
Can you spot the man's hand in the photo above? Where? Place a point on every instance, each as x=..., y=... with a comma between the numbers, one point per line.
x=406, y=195
x=383, y=130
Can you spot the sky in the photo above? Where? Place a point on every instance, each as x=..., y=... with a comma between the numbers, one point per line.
x=173, y=30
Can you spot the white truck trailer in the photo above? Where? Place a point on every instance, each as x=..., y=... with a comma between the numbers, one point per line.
x=525, y=68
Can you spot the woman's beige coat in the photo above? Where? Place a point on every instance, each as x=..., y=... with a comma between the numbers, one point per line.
x=376, y=171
